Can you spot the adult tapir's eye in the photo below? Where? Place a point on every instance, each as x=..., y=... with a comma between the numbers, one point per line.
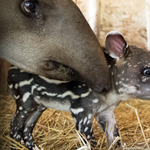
x=146, y=72
x=28, y=7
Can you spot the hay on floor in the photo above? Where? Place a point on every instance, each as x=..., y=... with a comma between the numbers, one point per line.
x=56, y=130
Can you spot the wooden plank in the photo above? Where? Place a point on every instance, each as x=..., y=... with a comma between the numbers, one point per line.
x=148, y=23
x=94, y=9
x=4, y=67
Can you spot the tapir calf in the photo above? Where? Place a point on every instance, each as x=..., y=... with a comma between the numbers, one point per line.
x=130, y=78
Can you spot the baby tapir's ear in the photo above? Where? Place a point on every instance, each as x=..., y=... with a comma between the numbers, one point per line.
x=115, y=44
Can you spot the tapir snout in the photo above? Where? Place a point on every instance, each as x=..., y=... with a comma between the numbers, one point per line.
x=42, y=36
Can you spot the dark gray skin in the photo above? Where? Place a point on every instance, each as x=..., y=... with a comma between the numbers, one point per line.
x=130, y=78
x=54, y=40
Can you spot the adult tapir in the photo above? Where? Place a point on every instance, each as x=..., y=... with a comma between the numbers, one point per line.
x=53, y=39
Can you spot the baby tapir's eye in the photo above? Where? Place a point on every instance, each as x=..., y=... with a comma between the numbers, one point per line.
x=146, y=72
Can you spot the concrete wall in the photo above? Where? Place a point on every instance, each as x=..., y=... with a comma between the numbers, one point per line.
x=127, y=17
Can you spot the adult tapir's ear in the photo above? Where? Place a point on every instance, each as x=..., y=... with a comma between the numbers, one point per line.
x=115, y=44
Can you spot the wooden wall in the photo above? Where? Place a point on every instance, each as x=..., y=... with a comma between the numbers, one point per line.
x=130, y=17
x=4, y=66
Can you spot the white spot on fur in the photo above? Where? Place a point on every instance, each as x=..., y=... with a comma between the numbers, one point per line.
x=22, y=71
x=16, y=85
x=124, y=62
x=127, y=79
x=41, y=88
x=86, y=94
x=26, y=96
x=90, y=116
x=43, y=108
x=52, y=80
x=88, y=137
x=144, y=79
x=36, y=148
x=75, y=120
x=120, y=82
x=130, y=89
x=25, y=111
x=25, y=130
x=33, y=88
x=76, y=111
x=95, y=100
x=122, y=79
x=91, y=130
x=88, y=122
x=38, y=97
x=30, y=138
x=18, y=136
x=80, y=122
x=26, y=82
x=49, y=94
x=68, y=93
x=11, y=86
x=85, y=129
x=13, y=67
x=15, y=135
x=27, y=143
x=16, y=97
x=85, y=119
x=20, y=108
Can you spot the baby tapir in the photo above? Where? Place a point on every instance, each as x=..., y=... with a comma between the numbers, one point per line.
x=130, y=78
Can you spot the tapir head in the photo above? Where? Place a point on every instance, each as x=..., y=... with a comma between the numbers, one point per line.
x=130, y=68
x=44, y=36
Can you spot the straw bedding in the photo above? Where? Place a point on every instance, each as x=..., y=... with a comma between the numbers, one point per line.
x=55, y=130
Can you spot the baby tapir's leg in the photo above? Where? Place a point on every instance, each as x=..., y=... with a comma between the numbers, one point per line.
x=24, y=120
x=83, y=122
x=29, y=125
x=22, y=113
x=83, y=111
x=108, y=117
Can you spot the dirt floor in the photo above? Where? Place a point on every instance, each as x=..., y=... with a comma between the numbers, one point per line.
x=55, y=130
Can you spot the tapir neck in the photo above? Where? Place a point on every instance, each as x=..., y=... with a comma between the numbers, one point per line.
x=113, y=96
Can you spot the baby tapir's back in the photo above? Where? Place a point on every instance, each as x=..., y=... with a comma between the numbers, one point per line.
x=51, y=93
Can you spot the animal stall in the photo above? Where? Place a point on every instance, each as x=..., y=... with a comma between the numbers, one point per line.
x=56, y=129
